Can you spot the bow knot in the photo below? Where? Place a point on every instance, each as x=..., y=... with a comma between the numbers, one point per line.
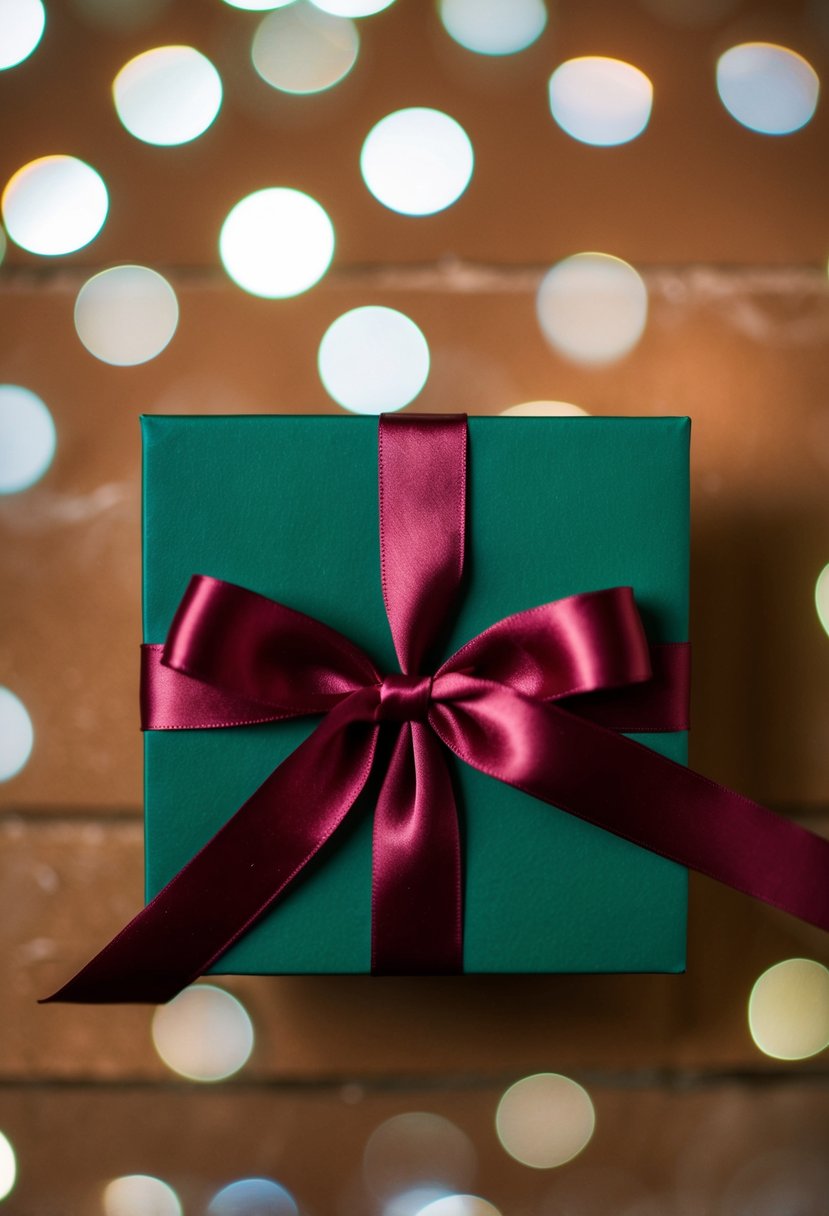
x=404, y=698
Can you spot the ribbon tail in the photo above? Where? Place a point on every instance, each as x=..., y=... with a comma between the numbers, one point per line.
x=625, y=788
x=236, y=877
x=416, y=882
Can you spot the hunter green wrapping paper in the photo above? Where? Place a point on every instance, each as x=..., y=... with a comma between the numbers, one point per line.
x=287, y=506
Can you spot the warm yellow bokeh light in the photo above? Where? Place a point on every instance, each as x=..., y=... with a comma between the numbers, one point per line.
x=788, y=1010
x=140, y=1195
x=544, y=409
x=276, y=243
x=822, y=597
x=767, y=88
x=204, y=1033
x=168, y=95
x=600, y=101
x=545, y=1120
x=304, y=50
x=592, y=307
x=54, y=205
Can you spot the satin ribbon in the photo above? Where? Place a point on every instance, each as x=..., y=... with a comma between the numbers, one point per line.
x=536, y=701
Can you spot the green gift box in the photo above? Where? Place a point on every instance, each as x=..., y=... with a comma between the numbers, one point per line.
x=288, y=506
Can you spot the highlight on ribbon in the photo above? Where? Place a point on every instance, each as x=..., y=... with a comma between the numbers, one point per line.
x=539, y=701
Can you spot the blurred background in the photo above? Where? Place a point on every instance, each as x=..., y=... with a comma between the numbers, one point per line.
x=355, y=205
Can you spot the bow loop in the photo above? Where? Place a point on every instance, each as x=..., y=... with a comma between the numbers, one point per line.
x=258, y=651
x=571, y=646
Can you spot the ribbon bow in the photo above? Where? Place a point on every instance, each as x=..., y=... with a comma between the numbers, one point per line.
x=537, y=701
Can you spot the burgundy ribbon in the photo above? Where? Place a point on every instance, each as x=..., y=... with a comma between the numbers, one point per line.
x=536, y=701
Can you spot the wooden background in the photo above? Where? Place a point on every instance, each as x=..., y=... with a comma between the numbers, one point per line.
x=730, y=230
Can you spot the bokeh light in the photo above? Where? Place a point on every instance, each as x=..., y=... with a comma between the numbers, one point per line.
x=204, y=1033
x=592, y=307
x=767, y=88
x=822, y=597
x=373, y=359
x=418, y=1149
x=168, y=95
x=259, y=6
x=544, y=409
x=54, y=205
x=140, y=1195
x=417, y=161
x=8, y=1162
x=494, y=27
x=600, y=101
x=276, y=242
x=126, y=315
x=545, y=1120
x=301, y=49
x=16, y=735
x=412, y=1202
x=352, y=8
x=459, y=1205
x=21, y=28
x=788, y=1010
x=253, y=1197
x=27, y=438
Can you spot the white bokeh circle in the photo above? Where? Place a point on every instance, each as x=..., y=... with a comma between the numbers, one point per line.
x=545, y=1120
x=168, y=95
x=21, y=28
x=54, y=205
x=301, y=49
x=8, y=1166
x=276, y=242
x=417, y=161
x=27, y=438
x=204, y=1033
x=373, y=359
x=16, y=735
x=600, y=101
x=126, y=315
x=352, y=8
x=592, y=308
x=767, y=88
x=494, y=27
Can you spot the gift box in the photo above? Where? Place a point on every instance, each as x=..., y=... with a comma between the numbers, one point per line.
x=288, y=506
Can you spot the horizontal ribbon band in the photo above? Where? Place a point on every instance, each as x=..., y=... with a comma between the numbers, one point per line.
x=538, y=701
